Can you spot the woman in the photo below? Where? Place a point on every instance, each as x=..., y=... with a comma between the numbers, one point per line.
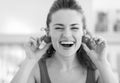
x=69, y=56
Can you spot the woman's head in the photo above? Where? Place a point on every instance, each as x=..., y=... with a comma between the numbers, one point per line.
x=65, y=23
x=64, y=4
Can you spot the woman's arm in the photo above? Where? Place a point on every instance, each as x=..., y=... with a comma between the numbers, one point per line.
x=35, y=76
x=98, y=55
x=106, y=74
x=24, y=72
x=33, y=56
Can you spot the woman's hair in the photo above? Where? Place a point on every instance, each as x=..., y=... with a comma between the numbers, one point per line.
x=64, y=4
x=72, y=5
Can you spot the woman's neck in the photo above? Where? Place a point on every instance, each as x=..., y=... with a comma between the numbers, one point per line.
x=66, y=62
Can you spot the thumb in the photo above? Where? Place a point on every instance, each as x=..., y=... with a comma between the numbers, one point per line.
x=42, y=51
x=85, y=47
x=28, y=51
x=44, y=48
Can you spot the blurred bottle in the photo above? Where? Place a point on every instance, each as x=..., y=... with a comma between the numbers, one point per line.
x=102, y=22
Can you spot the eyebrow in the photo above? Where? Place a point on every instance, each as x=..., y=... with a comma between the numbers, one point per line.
x=74, y=24
x=63, y=24
x=59, y=24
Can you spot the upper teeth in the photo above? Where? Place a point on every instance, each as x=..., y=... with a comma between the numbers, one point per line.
x=67, y=42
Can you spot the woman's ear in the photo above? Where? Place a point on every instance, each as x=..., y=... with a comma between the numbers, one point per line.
x=47, y=31
x=84, y=32
x=47, y=38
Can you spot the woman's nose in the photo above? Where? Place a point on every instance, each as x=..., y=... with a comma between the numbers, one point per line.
x=67, y=33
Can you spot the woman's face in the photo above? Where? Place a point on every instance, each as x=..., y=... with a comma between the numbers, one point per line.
x=66, y=31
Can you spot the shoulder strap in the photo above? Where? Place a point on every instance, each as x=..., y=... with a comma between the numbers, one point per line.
x=43, y=71
x=90, y=76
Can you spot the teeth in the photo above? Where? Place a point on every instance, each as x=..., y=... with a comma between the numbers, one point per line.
x=67, y=42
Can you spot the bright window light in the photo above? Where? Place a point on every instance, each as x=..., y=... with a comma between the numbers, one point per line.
x=106, y=4
x=16, y=26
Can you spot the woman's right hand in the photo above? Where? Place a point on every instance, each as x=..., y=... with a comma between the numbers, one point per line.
x=33, y=54
x=33, y=50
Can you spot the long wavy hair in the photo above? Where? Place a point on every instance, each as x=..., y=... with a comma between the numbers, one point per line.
x=82, y=56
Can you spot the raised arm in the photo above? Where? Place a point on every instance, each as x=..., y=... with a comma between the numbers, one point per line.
x=98, y=55
x=33, y=56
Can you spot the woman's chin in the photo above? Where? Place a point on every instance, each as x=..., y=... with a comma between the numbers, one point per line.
x=67, y=51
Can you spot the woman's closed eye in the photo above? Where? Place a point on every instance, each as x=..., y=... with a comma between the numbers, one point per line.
x=74, y=28
x=59, y=28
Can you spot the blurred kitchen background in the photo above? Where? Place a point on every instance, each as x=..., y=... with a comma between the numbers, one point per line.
x=21, y=19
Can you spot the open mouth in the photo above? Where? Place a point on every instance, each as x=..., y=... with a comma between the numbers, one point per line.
x=67, y=44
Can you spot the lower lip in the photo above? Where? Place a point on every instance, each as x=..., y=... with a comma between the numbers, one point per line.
x=67, y=48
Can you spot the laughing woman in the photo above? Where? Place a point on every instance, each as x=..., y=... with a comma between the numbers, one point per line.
x=69, y=56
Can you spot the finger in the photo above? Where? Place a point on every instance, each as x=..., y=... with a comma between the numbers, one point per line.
x=30, y=47
x=28, y=51
x=97, y=40
x=93, y=44
x=33, y=41
x=42, y=51
x=90, y=53
x=102, y=42
x=85, y=47
x=87, y=33
x=45, y=46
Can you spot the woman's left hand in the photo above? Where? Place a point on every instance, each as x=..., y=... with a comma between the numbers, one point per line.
x=98, y=52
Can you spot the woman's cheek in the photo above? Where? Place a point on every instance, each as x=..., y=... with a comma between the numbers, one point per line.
x=79, y=40
x=55, y=40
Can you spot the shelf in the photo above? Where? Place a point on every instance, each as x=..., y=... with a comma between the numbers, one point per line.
x=14, y=38
x=110, y=38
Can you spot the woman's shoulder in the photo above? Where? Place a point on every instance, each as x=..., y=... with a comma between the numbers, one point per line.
x=37, y=69
x=35, y=73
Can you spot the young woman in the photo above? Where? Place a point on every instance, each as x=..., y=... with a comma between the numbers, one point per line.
x=68, y=56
